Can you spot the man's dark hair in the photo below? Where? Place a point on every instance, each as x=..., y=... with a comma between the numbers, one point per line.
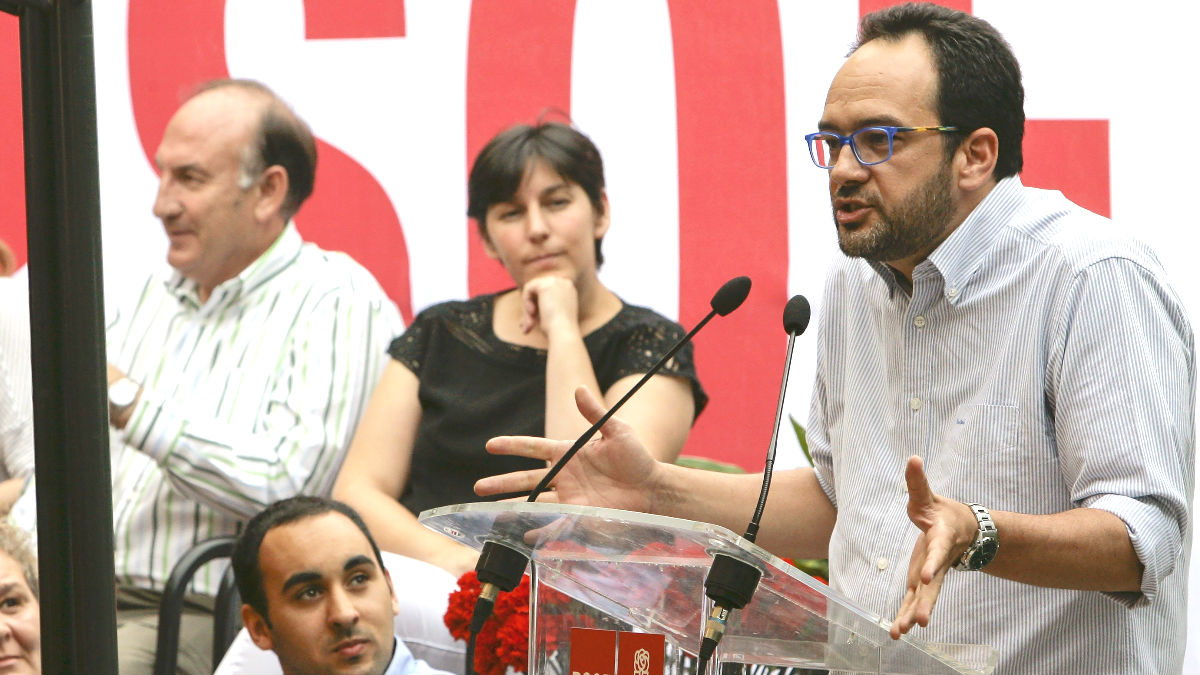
x=506, y=159
x=246, y=570
x=282, y=139
x=979, y=80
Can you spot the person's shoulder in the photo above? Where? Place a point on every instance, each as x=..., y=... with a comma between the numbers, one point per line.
x=160, y=286
x=335, y=276
x=849, y=277
x=336, y=282
x=632, y=318
x=452, y=317
x=1076, y=237
x=14, y=295
x=456, y=311
x=335, y=269
x=638, y=313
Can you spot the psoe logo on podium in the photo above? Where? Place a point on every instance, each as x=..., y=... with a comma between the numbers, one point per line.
x=607, y=652
x=640, y=654
x=641, y=662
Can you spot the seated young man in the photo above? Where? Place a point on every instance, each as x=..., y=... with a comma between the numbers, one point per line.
x=316, y=591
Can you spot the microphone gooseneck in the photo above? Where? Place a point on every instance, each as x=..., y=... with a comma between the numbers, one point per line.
x=728, y=297
x=796, y=314
x=731, y=582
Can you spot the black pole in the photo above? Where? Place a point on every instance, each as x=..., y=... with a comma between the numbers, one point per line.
x=75, y=540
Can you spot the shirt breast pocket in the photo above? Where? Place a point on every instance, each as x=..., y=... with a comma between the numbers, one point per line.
x=984, y=459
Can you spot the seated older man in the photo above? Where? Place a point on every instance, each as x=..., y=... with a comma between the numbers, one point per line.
x=20, y=621
x=316, y=591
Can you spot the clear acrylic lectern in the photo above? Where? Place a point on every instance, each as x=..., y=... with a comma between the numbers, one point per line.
x=633, y=571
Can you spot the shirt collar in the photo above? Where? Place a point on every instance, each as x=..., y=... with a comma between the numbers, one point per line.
x=959, y=257
x=887, y=274
x=402, y=662
x=279, y=255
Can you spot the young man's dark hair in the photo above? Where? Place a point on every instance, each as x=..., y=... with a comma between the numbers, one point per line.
x=245, y=553
x=979, y=80
x=505, y=161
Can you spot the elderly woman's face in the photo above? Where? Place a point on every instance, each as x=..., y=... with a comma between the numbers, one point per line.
x=20, y=621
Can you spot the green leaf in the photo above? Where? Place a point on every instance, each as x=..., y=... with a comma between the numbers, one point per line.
x=813, y=567
x=708, y=464
x=801, y=436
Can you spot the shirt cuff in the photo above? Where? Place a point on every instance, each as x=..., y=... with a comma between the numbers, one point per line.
x=1156, y=539
x=152, y=429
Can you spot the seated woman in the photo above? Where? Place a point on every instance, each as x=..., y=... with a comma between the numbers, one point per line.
x=509, y=363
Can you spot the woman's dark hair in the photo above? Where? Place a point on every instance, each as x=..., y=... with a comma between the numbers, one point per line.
x=506, y=159
x=979, y=79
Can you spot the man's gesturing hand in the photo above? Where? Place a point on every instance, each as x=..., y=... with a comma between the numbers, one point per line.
x=947, y=529
x=612, y=470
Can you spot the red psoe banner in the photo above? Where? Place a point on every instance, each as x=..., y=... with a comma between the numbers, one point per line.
x=593, y=651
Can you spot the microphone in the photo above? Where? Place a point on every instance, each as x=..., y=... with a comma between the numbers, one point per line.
x=795, y=316
x=727, y=298
x=500, y=567
x=732, y=582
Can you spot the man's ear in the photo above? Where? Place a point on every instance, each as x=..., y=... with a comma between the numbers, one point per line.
x=273, y=187
x=977, y=156
x=257, y=627
x=395, y=601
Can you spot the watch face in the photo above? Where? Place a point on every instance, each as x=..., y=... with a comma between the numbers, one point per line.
x=985, y=553
x=123, y=392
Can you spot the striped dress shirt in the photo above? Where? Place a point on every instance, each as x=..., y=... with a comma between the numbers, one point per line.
x=248, y=398
x=1041, y=363
x=16, y=395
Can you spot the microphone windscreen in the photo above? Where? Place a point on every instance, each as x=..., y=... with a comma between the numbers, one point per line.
x=731, y=295
x=796, y=314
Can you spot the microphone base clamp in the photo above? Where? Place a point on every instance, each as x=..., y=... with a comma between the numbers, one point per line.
x=731, y=582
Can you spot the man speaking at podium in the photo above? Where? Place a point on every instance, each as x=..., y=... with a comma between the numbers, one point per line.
x=997, y=366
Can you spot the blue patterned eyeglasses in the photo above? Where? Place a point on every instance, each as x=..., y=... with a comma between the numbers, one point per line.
x=870, y=145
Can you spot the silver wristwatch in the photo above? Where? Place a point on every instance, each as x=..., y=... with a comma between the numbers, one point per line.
x=122, y=394
x=987, y=542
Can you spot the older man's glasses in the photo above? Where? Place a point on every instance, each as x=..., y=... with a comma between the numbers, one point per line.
x=870, y=145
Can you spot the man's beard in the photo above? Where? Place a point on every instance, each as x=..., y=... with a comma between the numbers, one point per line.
x=910, y=228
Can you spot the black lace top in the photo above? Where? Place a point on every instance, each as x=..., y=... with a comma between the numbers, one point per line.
x=473, y=386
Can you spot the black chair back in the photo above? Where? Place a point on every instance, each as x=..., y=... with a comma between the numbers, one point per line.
x=226, y=620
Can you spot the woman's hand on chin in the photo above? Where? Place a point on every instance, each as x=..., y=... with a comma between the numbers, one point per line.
x=549, y=303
